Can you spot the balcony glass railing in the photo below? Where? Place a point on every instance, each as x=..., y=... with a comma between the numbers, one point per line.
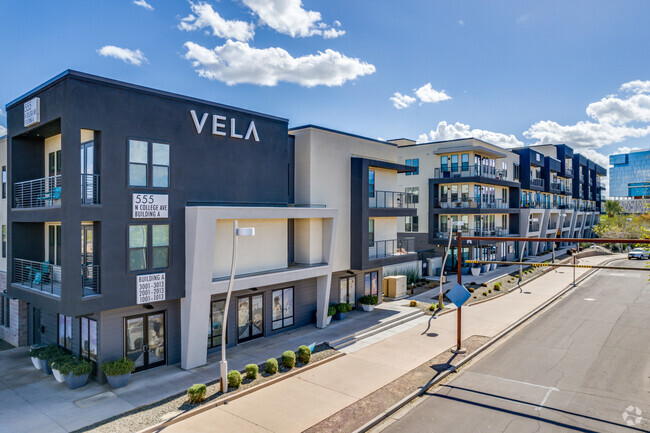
x=496, y=231
x=46, y=192
x=472, y=203
x=445, y=172
x=41, y=276
x=535, y=181
x=391, y=247
x=391, y=199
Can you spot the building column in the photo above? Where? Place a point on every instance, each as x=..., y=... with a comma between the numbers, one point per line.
x=322, y=299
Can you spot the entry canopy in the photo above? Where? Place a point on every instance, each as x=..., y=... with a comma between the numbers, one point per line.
x=458, y=295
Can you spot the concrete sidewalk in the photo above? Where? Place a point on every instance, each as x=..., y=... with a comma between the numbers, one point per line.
x=34, y=402
x=301, y=401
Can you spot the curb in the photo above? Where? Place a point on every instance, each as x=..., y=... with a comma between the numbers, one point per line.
x=415, y=394
x=224, y=400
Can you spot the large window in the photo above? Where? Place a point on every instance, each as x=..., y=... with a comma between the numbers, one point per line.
x=65, y=331
x=414, y=192
x=415, y=162
x=411, y=224
x=371, y=183
x=216, y=323
x=145, y=157
x=137, y=247
x=160, y=244
x=88, y=339
x=347, y=290
x=454, y=163
x=464, y=162
x=371, y=232
x=371, y=281
x=282, y=308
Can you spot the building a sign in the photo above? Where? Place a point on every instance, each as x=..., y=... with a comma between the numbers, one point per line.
x=150, y=288
x=219, y=126
x=32, y=112
x=150, y=205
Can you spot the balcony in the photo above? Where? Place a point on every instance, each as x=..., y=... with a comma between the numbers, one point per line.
x=469, y=171
x=536, y=205
x=536, y=181
x=552, y=225
x=568, y=172
x=391, y=200
x=497, y=231
x=46, y=192
x=533, y=227
x=567, y=223
x=45, y=277
x=391, y=248
x=472, y=203
x=557, y=186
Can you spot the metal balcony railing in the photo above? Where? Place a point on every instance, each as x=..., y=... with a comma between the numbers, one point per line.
x=41, y=276
x=90, y=280
x=552, y=225
x=568, y=172
x=567, y=223
x=391, y=199
x=533, y=227
x=391, y=247
x=535, y=181
x=472, y=203
x=448, y=171
x=44, y=192
x=557, y=186
x=496, y=231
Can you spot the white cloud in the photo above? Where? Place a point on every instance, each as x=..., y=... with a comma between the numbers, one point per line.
x=127, y=56
x=636, y=86
x=3, y=131
x=461, y=22
x=2, y=113
x=401, y=101
x=595, y=156
x=522, y=19
x=617, y=111
x=204, y=16
x=290, y=18
x=428, y=94
x=626, y=149
x=144, y=4
x=458, y=130
x=237, y=62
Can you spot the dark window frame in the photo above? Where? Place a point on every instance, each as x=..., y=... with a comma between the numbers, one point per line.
x=4, y=181
x=81, y=345
x=65, y=330
x=212, y=337
x=367, y=277
x=148, y=248
x=283, y=318
x=149, y=165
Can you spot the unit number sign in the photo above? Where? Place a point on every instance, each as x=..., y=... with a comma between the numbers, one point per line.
x=150, y=205
x=150, y=288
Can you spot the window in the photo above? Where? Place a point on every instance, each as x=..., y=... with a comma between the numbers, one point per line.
x=216, y=323
x=88, y=339
x=139, y=163
x=515, y=171
x=4, y=241
x=443, y=163
x=504, y=195
x=371, y=280
x=347, y=290
x=415, y=162
x=5, y=311
x=411, y=224
x=414, y=194
x=464, y=162
x=160, y=244
x=464, y=192
x=409, y=162
x=282, y=308
x=137, y=247
x=454, y=163
x=454, y=192
x=54, y=163
x=4, y=181
x=371, y=232
x=504, y=221
x=65, y=331
x=371, y=183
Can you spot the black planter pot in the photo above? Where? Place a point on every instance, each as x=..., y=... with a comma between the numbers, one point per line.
x=340, y=316
x=75, y=382
x=118, y=381
x=45, y=367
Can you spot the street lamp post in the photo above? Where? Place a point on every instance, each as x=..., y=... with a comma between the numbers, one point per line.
x=237, y=232
x=444, y=260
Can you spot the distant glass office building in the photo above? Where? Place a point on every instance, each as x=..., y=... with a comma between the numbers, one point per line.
x=629, y=174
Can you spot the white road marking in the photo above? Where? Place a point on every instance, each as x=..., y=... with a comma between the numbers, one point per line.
x=623, y=274
x=541, y=405
x=549, y=389
x=589, y=299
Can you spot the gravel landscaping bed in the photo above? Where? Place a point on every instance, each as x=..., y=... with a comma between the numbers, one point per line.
x=143, y=417
x=362, y=411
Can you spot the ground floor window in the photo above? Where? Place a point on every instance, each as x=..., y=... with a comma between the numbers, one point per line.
x=347, y=290
x=371, y=281
x=65, y=331
x=282, y=308
x=88, y=339
x=5, y=311
x=216, y=323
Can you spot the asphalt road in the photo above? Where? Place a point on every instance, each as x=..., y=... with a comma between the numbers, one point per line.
x=582, y=366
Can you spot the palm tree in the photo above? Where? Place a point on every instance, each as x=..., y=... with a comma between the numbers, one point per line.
x=613, y=207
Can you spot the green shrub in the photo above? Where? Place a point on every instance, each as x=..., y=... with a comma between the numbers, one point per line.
x=413, y=303
x=304, y=354
x=272, y=366
x=33, y=353
x=368, y=300
x=490, y=291
x=251, y=371
x=483, y=284
x=76, y=366
x=484, y=293
x=59, y=360
x=118, y=367
x=289, y=359
x=470, y=289
x=412, y=275
x=196, y=393
x=343, y=307
x=516, y=275
x=433, y=307
x=497, y=286
x=331, y=310
x=49, y=352
x=234, y=379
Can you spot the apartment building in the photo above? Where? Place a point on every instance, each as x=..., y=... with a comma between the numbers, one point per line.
x=122, y=201
x=629, y=180
x=530, y=192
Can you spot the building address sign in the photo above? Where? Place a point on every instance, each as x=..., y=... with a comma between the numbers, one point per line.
x=150, y=288
x=150, y=205
x=32, y=112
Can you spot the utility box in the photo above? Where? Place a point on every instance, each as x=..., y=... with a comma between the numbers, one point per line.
x=395, y=286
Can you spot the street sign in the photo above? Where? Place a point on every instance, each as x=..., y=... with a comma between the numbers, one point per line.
x=458, y=295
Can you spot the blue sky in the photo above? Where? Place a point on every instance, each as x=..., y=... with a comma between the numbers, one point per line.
x=509, y=72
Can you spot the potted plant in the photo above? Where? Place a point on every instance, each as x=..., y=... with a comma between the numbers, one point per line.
x=76, y=372
x=341, y=310
x=331, y=311
x=368, y=302
x=56, y=363
x=33, y=354
x=118, y=372
x=44, y=355
x=476, y=271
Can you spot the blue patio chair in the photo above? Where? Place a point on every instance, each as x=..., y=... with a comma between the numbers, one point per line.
x=50, y=196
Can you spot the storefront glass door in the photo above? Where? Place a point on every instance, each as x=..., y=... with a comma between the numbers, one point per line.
x=145, y=340
x=250, y=317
